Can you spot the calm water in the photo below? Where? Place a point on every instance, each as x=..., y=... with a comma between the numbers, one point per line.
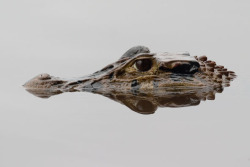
x=75, y=38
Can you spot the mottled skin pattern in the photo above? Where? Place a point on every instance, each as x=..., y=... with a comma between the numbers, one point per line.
x=170, y=77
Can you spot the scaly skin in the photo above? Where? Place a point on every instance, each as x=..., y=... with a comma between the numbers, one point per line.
x=168, y=74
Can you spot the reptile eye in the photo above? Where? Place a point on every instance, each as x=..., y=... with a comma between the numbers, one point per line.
x=143, y=65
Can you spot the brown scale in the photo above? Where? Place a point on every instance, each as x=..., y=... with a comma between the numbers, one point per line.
x=211, y=96
x=201, y=62
x=218, y=73
x=209, y=67
x=202, y=58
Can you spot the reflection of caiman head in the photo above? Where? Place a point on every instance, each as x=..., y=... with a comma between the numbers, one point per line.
x=143, y=80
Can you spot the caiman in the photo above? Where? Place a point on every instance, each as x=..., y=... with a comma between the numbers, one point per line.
x=142, y=80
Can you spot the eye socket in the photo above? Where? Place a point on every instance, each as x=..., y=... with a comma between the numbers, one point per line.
x=143, y=65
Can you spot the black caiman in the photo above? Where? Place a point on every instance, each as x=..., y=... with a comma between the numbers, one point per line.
x=143, y=81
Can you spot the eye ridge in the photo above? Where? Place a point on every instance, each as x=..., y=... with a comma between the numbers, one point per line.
x=143, y=65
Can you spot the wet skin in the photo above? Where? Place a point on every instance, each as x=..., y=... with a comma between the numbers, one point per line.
x=148, y=79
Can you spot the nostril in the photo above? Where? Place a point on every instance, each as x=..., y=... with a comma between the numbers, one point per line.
x=44, y=76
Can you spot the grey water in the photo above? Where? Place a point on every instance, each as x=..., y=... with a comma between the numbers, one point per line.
x=76, y=38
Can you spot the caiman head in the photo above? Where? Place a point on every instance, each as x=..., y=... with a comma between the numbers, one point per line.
x=139, y=71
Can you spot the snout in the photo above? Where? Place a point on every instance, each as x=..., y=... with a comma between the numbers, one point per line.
x=43, y=81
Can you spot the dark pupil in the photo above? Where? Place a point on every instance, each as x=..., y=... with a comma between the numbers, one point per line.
x=143, y=65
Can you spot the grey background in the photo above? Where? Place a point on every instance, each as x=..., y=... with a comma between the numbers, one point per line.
x=74, y=38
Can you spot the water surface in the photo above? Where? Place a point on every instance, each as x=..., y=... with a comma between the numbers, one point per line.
x=72, y=39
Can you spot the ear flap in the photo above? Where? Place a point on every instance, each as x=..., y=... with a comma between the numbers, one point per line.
x=134, y=51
